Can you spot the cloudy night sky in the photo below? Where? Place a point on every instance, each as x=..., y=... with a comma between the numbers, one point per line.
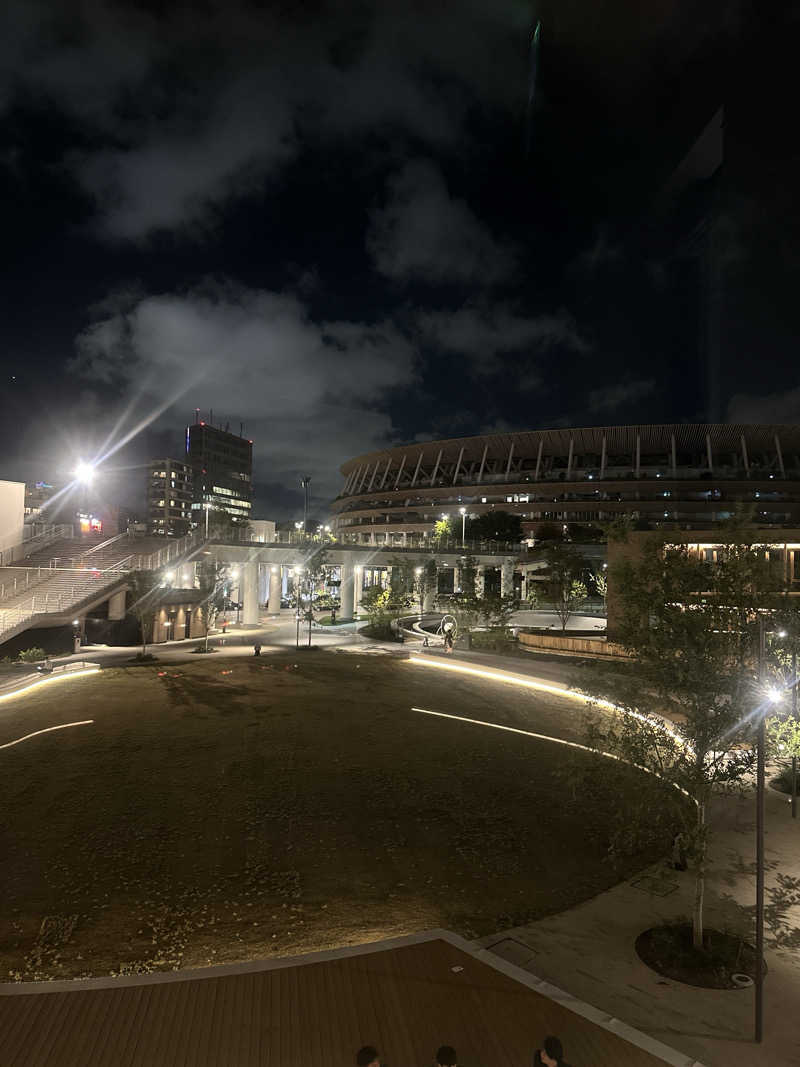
x=321, y=221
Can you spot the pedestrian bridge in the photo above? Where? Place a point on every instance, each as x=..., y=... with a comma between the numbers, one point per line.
x=57, y=581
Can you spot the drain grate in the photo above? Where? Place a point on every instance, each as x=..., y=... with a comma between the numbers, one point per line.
x=661, y=887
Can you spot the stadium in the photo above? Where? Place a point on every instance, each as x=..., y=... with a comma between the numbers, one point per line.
x=681, y=476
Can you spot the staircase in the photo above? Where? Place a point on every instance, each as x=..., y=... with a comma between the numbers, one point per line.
x=67, y=578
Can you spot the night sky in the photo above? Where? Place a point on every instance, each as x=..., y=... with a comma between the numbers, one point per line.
x=320, y=220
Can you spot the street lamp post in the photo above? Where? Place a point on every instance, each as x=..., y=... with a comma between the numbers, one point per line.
x=794, y=716
x=759, y=976
x=463, y=526
x=297, y=572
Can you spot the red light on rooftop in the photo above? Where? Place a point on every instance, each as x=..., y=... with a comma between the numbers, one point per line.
x=202, y=423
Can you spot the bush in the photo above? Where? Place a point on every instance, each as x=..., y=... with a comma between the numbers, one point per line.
x=499, y=640
x=31, y=655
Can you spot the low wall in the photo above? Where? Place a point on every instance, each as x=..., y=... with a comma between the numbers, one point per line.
x=578, y=646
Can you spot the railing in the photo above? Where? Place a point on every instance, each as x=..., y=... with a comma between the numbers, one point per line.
x=30, y=544
x=174, y=550
x=15, y=587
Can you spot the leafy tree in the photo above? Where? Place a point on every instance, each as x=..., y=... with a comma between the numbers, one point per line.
x=211, y=583
x=495, y=526
x=443, y=531
x=145, y=587
x=495, y=611
x=564, y=578
x=600, y=580
x=548, y=531
x=691, y=629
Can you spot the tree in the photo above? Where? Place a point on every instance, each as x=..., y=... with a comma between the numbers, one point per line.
x=548, y=531
x=600, y=580
x=564, y=578
x=211, y=583
x=443, y=531
x=144, y=587
x=691, y=628
x=495, y=526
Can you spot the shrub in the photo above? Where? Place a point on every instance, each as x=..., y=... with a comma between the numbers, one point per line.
x=32, y=655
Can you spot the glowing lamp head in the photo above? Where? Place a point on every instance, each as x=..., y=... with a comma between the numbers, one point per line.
x=84, y=472
x=774, y=694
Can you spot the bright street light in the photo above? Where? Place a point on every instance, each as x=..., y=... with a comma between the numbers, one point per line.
x=463, y=525
x=84, y=472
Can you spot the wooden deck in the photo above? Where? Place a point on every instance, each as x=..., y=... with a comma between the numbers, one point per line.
x=407, y=1000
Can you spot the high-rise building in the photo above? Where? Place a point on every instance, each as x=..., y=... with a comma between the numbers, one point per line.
x=223, y=471
x=170, y=492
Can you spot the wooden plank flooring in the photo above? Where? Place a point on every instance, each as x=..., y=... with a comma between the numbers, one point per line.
x=405, y=1000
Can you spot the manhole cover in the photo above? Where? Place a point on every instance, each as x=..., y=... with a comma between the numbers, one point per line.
x=661, y=887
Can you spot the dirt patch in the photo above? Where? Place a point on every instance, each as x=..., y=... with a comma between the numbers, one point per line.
x=222, y=810
x=668, y=950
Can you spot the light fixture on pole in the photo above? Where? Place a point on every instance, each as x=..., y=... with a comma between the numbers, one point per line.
x=463, y=526
x=296, y=572
x=773, y=696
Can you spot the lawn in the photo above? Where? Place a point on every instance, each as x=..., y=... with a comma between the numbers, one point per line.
x=231, y=809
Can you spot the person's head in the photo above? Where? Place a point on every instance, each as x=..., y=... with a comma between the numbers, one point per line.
x=367, y=1057
x=446, y=1056
x=552, y=1053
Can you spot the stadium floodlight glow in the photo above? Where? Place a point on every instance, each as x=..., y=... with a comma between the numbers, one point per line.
x=84, y=472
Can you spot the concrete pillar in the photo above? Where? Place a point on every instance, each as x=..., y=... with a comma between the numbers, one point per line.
x=358, y=589
x=116, y=605
x=274, y=606
x=249, y=582
x=507, y=577
x=456, y=577
x=431, y=592
x=480, y=581
x=346, y=591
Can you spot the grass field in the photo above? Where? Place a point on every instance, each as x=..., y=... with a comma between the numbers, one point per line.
x=232, y=809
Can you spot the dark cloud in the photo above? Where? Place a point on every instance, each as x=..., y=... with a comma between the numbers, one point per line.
x=188, y=107
x=423, y=233
x=484, y=332
x=778, y=407
x=612, y=397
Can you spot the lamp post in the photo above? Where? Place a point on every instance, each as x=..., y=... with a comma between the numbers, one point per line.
x=463, y=526
x=759, y=997
x=421, y=589
x=773, y=696
x=297, y=571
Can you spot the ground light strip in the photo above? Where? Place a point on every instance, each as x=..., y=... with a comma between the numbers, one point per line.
x=541, y=687
x=46, y=730
x=49, y=681
x=555, y=740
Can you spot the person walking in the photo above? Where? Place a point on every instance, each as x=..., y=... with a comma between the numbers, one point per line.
x=333, y=616
x=550, y=1055
x=256, y=649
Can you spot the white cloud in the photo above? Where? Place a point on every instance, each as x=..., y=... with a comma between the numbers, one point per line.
x=311, y=394
x=424, y=233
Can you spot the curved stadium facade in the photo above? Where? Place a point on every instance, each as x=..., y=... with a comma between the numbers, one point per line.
x=676, y=476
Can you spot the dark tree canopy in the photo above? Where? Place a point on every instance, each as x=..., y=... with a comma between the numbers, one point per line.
x=495, y=526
